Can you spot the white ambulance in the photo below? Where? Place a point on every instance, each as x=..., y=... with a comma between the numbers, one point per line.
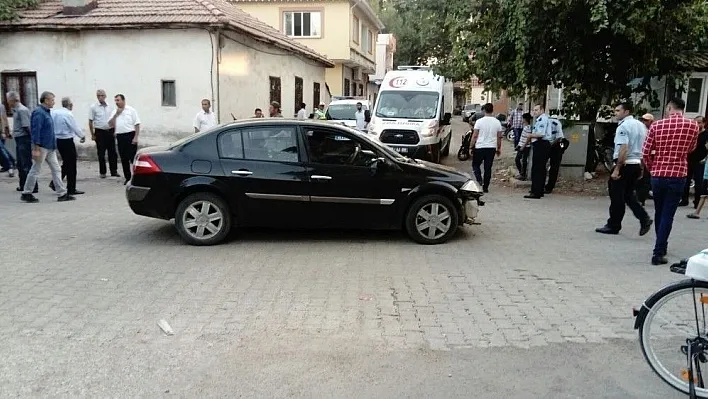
x=413, y=112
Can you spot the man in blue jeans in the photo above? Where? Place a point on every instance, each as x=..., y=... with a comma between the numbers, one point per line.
x=665, y=153
x=21, y=134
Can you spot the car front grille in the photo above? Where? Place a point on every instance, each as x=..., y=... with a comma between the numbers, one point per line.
x=392, y=136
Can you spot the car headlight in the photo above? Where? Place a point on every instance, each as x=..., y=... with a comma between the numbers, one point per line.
x=472, y=187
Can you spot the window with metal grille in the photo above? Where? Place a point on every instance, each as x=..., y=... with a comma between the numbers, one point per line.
x=346, y=87
x=24, y=83
x=169, y=93
x=353, y=89
x=315, y=94
x=275, y=89
x=298, y=93
x=361, y=89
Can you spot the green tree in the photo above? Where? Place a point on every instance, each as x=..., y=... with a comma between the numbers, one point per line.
x=9, y=8
x=593, y=48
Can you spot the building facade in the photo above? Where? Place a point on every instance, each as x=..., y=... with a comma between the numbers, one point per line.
x=345, y=31
x=164, y=68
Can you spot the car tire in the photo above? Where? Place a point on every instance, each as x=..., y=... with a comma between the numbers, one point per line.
x=435, y=153
x=430, y=204
x=210, y=231
x=446, y=150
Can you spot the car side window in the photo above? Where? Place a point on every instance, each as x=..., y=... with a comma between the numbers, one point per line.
x=270, y=143
x=331, y=147
x=230, y=145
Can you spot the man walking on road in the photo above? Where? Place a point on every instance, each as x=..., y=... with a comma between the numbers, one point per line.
x=65, y=128
x=486, y=143
x=103, y=134
x=695, y=166
x=362, y=117
x=44, y=147
x=205, y=119
x=665, y=152
x=629, y=140
x=541, y=144
x=7, y=162
x=21, y=133
x=516, y=119
x=126, y=122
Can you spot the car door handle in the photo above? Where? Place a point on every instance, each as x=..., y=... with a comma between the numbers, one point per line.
x=320, y=177
x=241, y=172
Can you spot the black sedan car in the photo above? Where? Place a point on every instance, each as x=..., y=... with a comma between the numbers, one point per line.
x=301, y=174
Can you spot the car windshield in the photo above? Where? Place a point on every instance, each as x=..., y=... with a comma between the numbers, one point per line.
x=339, y=112
x=408, y=104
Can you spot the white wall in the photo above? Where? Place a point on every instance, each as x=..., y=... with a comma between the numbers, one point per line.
x=131, y=62
x=244, y=74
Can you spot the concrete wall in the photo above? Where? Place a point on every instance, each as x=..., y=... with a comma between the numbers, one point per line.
x=244, y=82
x=133, y=63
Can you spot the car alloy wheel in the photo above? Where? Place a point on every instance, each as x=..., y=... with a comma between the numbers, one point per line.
x=203, y=219
x=432, y=220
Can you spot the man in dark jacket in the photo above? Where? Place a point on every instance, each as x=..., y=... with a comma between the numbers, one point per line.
x=695, y=166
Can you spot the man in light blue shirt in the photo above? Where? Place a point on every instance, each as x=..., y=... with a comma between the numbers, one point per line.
x=541, y=138
x=65, y=128
x=555, y=154
x=629, y=140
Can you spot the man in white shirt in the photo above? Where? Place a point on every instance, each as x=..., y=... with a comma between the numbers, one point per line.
x=302, y=113
x=126, y=122
x=103, y=134
x=205, y=119
x=65, y=128
x=361, y=119
x=486, y=142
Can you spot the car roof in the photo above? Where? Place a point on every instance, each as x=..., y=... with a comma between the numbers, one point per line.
x=277, y=122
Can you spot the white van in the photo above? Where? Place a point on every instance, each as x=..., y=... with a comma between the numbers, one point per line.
x=342, y=109
x=412, y=113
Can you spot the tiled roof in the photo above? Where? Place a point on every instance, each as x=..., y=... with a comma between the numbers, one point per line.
x=156, y=14
x=693, y=61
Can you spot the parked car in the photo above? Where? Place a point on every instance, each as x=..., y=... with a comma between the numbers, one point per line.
x=469, y=110
x=302, y=174
x=342, y=109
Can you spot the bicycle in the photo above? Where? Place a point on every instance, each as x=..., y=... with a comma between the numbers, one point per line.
x=685, y=373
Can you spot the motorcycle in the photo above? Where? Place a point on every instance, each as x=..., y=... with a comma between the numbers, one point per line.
x=464, y=153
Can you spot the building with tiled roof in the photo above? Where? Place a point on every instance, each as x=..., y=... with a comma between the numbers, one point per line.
x=163, y=55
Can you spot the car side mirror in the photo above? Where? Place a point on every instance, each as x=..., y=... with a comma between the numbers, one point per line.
x=446, y=119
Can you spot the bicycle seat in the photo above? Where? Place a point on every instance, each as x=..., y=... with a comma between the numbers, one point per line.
x=697, y=266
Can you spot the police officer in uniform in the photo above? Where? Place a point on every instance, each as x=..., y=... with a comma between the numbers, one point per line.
x=541, y=137
x=629, y=140
x=555, y=155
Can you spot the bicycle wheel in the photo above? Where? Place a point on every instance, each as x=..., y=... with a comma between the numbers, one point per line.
x=670, y=321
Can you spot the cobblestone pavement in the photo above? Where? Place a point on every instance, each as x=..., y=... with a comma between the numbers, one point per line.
x=90, y=274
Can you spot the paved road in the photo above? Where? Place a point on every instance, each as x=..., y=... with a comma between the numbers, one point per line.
x=509, y=307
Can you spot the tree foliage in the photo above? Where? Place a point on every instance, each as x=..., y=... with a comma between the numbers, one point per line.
x=593, y=48
x=9, y=8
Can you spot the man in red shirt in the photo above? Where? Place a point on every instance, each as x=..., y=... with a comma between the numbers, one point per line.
x=665, y=153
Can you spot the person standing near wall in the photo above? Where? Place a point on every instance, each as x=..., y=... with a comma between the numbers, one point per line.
x=7, y=162
x=65, y=128
x=23, y=140
x=665, y=153
x=205, y=119
x=540, y=146
x=44, y=148
x=516, y=120
x=103, y=134
x=126, y=122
